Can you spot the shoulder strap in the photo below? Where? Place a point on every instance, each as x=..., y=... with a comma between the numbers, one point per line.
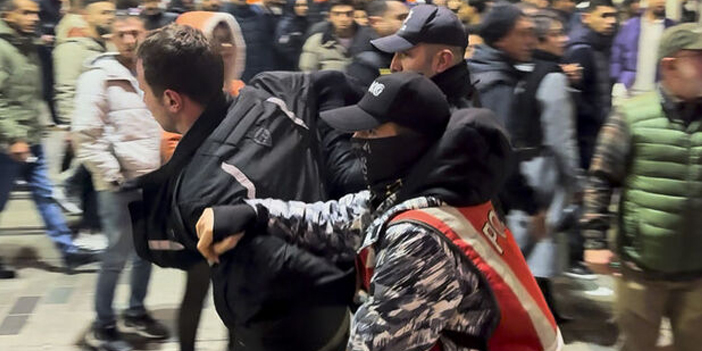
x=471, y=342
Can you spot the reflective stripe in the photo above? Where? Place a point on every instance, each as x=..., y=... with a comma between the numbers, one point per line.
x=165, y=245
x=500, y=268
x=280, y=103
x=241, y=178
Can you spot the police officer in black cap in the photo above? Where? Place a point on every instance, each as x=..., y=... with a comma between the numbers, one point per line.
x=423, y=293
x=432, y=42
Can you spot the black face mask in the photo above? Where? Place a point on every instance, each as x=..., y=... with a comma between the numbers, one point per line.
x=387, y=160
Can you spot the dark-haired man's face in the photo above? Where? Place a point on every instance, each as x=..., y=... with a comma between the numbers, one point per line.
x=24, y=17
x=126, y=35
x=154, y=103
x=101, y=15
x=301, y=8
x=567, y=6
x=341, y=17
x=391, y=21
x=211, y=5
x=519, y=42
x=657, y=8
x=151, y=7
x=602, y=20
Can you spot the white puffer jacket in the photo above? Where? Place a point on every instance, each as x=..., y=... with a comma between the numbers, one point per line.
x=113, y=132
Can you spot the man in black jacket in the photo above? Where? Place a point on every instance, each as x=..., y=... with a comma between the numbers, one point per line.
x=385, y=17
x=590, y=46
x=432, y=42
x=258, y=31
x=286, y=298
x=154, y=16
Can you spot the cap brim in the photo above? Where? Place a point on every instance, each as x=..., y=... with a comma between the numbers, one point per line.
x=392, y=44
x=349, y=119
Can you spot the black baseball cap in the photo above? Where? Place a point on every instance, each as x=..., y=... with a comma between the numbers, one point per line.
x=406, y=98
x=425, y=24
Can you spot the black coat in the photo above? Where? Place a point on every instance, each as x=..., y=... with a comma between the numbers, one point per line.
x=273, y=295
x=290, y=36
x=258, y=31
x=594, y=92
x=159, y=20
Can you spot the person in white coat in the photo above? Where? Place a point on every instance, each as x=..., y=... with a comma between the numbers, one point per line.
x=118, y=139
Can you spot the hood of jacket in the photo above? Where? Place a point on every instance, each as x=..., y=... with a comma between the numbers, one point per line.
x=487, y=59
x=582, y=35
x=206, y=22
x=467, y=166
x=111, y=66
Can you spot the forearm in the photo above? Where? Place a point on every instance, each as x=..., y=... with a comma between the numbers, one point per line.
x=607, y=171
x=596, y=218
x=328, y=228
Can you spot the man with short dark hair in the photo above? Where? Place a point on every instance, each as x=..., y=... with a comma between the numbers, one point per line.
x=341, y=40
x=649, y=149
x=272, y=273
x=116, y=138
x=590, y=46
x=258, y=32
x=440, y=269
x=155, y=16
x=385, y=18
x=21, y=106
x=509, y=40
x=71, y=54
x=432, y=41
x=565, y=10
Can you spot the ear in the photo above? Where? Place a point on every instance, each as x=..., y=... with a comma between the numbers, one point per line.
x=443, y=60
x=172, y=100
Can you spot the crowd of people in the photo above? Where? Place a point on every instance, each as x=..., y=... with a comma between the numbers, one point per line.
x=364, y=175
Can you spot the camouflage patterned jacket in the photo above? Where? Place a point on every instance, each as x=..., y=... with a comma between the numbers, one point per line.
x=420, y=288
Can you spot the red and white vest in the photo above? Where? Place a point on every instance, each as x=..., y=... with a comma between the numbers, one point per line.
x=526, y=323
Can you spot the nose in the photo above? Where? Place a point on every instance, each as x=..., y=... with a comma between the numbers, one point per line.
x=129, y=39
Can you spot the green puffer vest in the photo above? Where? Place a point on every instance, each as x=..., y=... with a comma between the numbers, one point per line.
x=661, y=208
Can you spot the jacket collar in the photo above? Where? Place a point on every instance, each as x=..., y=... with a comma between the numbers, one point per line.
x=677, y=110
x=545, y=56
x=455, y=82
x=22, y=42
x=389, y=210
x=328, y=34
x=208, y=121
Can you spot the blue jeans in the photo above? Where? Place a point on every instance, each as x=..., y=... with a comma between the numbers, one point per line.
x=36, y=175
x=116, y=224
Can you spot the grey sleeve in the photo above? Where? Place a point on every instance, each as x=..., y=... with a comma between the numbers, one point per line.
x=558, y=125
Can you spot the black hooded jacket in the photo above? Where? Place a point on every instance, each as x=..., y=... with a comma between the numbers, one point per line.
x=258, y=30
x=273, y=295
x=467, y=166
x=593, y=97
x=290, y=37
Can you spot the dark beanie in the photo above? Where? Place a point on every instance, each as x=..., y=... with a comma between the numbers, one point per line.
x=499, y=21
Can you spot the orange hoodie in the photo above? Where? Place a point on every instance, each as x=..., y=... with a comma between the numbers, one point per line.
x=206, y=22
